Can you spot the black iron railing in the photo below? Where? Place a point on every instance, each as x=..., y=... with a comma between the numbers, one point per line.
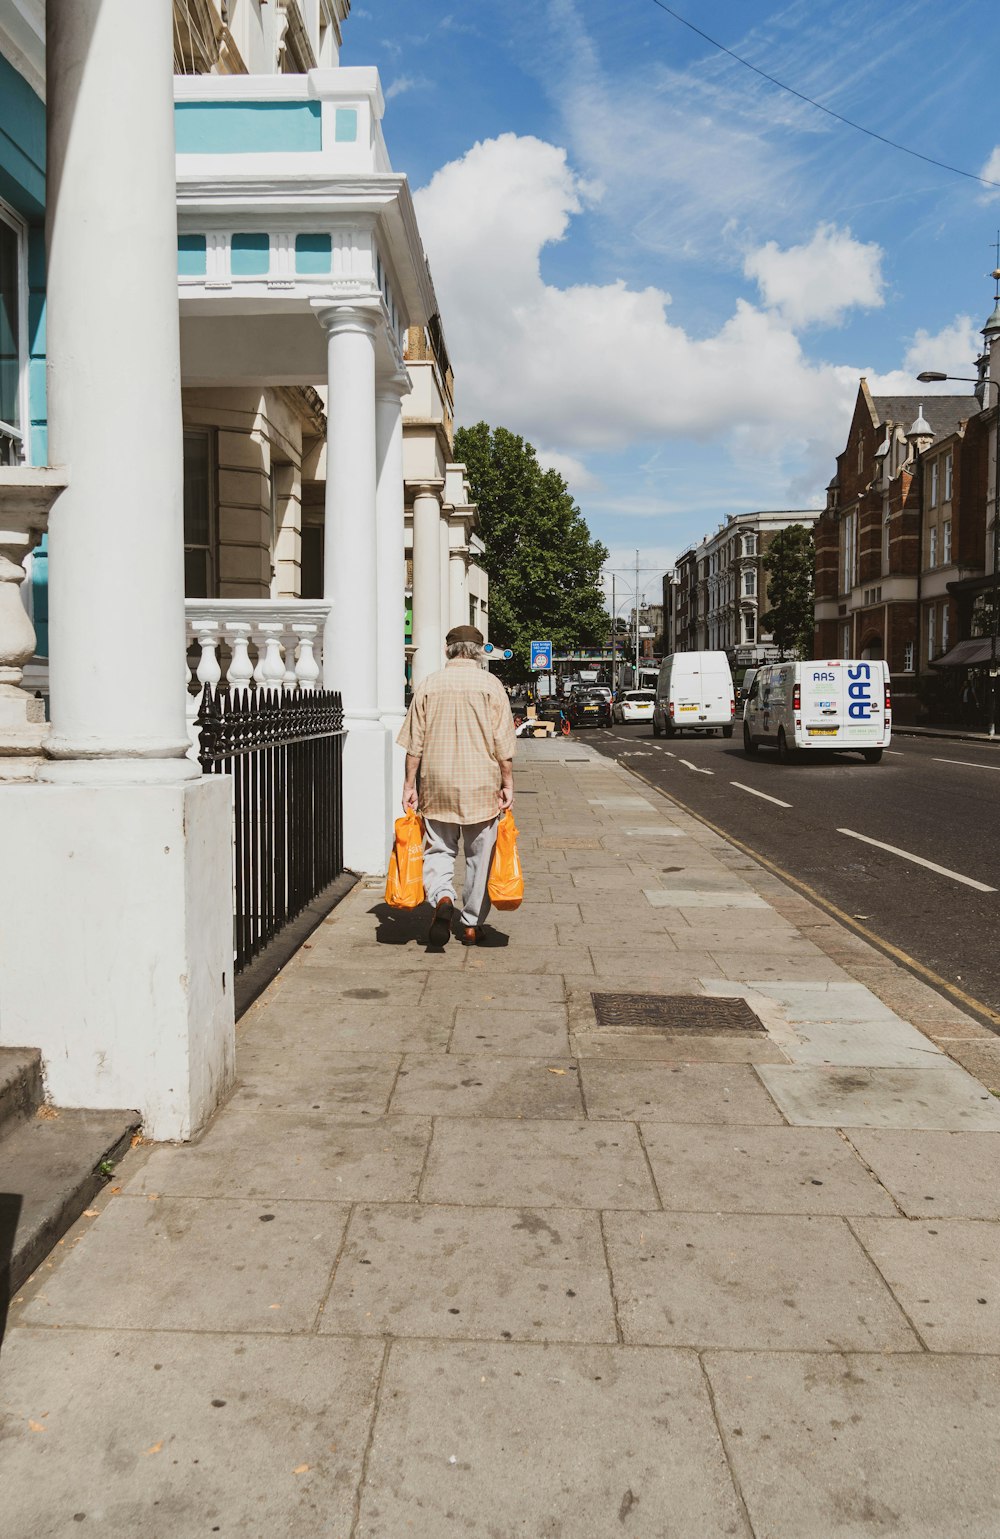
x=284, y=751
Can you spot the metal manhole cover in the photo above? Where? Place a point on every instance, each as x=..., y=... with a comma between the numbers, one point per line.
x=675, y=1013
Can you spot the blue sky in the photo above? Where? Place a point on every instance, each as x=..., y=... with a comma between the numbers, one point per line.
x=666, y=273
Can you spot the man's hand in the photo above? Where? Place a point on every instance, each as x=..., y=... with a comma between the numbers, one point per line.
x=410, y=798
x=505, y=795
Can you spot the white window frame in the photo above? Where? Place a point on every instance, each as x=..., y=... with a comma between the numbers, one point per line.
x=749, y=545
x=946, y=543
x=750, y=583
x=932, y=546
x=931, y=632
x=908, y=657
x=935, y=482
x=948, y=477
x=886, y=530
x=21, y=431
x=944, y=627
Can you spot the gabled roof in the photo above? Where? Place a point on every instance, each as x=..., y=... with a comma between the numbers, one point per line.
x=944, y=413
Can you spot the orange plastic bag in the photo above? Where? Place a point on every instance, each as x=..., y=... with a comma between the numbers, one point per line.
x=404, y=886
x=506, y=883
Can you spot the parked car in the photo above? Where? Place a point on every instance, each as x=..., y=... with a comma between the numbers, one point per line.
x=745, y=686
x=694, y=693
x=590, y=708
x=634, y=705
x=844, y=704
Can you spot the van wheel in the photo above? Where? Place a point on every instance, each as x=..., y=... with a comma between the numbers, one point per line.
x=727, y=732
x=749, y=746
x=785, y=754
x=657, y=731
x=872, y=755
x=669, y=729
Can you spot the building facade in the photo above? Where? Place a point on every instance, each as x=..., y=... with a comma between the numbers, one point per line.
x=718, y=591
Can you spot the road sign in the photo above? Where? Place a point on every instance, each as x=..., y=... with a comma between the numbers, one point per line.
x=541, y=656
x=490, y=649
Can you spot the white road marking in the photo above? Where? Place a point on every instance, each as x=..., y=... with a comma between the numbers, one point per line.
x=896, y=753
x=762, y=794
x=669, y=754
x=918, y=860
x=688, y=765
x=968, y=763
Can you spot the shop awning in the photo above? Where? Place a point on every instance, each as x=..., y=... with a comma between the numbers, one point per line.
x=967, y=654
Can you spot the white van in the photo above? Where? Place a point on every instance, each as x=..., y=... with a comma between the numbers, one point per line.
x=844, y=704
x=694, y=693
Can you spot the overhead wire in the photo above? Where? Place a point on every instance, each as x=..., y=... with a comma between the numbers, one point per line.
x=973, y=176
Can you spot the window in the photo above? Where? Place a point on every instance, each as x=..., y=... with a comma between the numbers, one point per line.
x=908, y=651
x=861, y=456
x=200, y=579
x=749, y=626
x=845, y=641
x=749, y=545
x=932, y=546
x=886, y=528
x=750, y=584
x=947, y=476
x=946, y=542
x=472, y=610
x=931, y=632
x=848, y=552
x=13, y=337
x=935, y=478
x=945, y=616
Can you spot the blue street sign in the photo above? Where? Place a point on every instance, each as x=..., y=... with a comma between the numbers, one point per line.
x=489, y=649
x=541, y=656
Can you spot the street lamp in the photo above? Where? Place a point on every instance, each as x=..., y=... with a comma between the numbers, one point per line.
x=933, y=377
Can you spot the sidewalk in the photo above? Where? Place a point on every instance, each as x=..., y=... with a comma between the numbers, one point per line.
x=458, y=1257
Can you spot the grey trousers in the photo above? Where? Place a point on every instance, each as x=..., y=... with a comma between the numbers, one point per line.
x=440, y=851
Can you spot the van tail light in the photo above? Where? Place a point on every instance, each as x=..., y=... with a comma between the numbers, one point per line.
x=670, y=707
x=732, y=707
x=796, y=697
x=888, y=698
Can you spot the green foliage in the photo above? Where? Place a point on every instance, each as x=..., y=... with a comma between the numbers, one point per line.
x=543, y=566
x=790, y=563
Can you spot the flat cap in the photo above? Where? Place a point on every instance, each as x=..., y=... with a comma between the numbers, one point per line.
x=465, y=633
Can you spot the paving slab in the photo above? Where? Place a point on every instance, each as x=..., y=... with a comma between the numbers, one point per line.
x=537, y=1164
x=693, y=897
x=687, y=1092
x=939, y=1098
x=485, y=1273
x=143, y=1266
x=558, y=1440
x=515, y=990
x=761, y=1170
x=946, y=1275
x=531, y=1033
x=857, y=1446
x=743, y=966
x=659, y=1047
x=177, y=1435
x=460, y=1085
x=285, y=1154
x=495, y=960
x=844, y=1024
x=981, y=1058
x=935, y=1175
x=326, y=1079
x=400, y=1020
x=749, y=1281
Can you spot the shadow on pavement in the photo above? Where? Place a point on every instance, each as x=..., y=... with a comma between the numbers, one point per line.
x=10, y=1212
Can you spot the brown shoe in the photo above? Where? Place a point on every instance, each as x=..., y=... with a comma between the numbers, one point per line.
x=439, y=933
x=470, y=935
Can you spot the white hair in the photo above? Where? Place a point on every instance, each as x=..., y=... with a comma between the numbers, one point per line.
x=470, y=649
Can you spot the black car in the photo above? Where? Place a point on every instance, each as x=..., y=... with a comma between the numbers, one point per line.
x=590, y=708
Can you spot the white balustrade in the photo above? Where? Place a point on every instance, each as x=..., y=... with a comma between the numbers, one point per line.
x=275, y=643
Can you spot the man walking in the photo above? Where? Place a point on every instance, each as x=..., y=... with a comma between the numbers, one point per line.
x=459, y=735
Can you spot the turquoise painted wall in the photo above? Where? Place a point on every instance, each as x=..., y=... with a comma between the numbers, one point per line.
x=247, y=128
x=22, y=186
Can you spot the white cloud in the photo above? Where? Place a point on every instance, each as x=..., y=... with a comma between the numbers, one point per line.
x=952, y=350
x=572, y=469
x=991, y=170
x=817, y=283
x=404, y=83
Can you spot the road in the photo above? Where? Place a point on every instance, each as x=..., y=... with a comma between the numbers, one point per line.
x=934, y=802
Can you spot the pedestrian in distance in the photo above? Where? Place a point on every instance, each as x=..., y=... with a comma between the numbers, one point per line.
x=970, y=703
x=459, y=742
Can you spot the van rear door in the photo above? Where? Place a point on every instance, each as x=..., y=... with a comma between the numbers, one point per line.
x=842, y=703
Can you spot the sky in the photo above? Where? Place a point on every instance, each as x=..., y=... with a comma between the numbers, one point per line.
x=668, y=274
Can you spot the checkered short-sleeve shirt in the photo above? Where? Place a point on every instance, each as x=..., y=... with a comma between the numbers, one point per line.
x=460, y=726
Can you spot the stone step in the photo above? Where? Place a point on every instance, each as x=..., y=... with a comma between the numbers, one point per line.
x=21, y=1089
x=50, y=1171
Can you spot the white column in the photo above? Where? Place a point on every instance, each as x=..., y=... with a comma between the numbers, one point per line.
x=391, y=561
x=116, y=946
x=428, y=636
x=444, y=545
x=116, y=534
x=350, y=639
x=458, y=586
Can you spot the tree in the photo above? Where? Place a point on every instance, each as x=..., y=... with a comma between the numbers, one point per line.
x=790, y=562
x=543, y=566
